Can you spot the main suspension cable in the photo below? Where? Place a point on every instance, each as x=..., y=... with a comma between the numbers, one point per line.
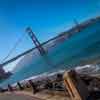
x=13, y=48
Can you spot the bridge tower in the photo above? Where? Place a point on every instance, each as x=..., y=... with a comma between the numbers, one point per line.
x=35, y=41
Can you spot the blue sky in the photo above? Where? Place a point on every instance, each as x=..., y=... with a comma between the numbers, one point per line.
x=46, y=17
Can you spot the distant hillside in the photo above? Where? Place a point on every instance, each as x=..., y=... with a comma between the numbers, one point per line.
x=69, y=33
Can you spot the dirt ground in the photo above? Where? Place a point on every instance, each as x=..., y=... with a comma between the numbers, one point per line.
x=15, y=96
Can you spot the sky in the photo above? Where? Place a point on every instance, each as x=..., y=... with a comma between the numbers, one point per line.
x=47, y=18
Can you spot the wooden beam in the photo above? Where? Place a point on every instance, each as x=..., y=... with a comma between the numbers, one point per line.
x=75, y=86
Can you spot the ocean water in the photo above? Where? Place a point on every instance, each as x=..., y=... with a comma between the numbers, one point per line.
x=81, y=48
